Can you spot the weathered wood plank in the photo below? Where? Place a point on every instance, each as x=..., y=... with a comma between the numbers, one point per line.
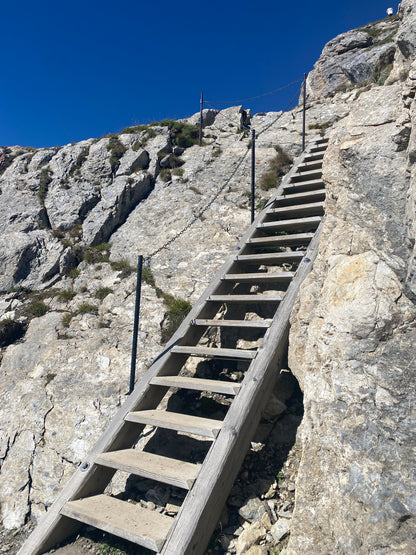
x=234, y=323
x=263, y=277
x=206, y=427
x=299, y=224
x=131, y=522
x=246, y=298
x=305, y=196
x=198, y=384
x=155, y=467
x=275, y=258
x=310, y=209
x=214, y=352
x=280, y=240
x=307, y=176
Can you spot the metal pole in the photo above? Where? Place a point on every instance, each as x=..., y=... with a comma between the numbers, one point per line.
x=200, y=118
x=253, y=172
x=304, y=113
x=136, y=324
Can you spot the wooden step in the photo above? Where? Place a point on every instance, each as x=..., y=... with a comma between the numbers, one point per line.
x=205, y=427
x=322, y=140
x=273, y=258
x=263, y=277
x=318, y=148
x=303, y=186
x=300, y=197
x=282, y=240
x=233, y=323
x=128, y=521
x=155, y=467
x=309, y=166
x=314, y=157
x=198, y=384
x=308, y=209
x=245, y=298
x=300, y=224
x=213, y=352
x=306, y=176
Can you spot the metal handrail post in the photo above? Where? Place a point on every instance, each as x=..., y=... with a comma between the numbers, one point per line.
x=136, y=324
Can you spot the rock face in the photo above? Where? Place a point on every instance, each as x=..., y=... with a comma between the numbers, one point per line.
x=352, y=335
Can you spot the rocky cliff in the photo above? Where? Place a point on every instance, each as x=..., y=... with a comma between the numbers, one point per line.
x=74, y=220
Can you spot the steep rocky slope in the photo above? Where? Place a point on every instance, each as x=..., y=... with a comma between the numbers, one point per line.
x=74, y=220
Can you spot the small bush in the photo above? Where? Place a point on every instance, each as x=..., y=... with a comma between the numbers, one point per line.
x=45, y=178
x=82, y=156
x=147, y=276
x=73, y=273
x=66, y=295
x=178, y=172
x=217, y=152
x=66, y=319
x=165, y=175
x=102, y=292
x=87, y=308
x=122, y=266
x=37, y=309
x=49, y=378
x=11, y=331
x=279, y=166
x=195, y=190
x=177, y=310
x=117, y=150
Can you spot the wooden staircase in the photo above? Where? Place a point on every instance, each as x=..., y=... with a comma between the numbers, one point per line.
x=250, y=298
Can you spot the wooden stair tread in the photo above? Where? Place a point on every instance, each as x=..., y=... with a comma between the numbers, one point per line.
x=306, y=176
x=270, y=258
x=155, y=467
x=126, y=520
x=246, y=298
x=233, y=323
x=311, y=207
x=297, y=223
x=295, y=239
x=314, y=157
x=205, y=427
x=287, y=199
x=260, y=277
x=309, y=165
x=199, y=384
x=212, y=352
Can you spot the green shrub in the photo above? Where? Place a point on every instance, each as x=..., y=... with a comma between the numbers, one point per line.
x=177, y=309
x=117, y=150
x=147, y=276
x=49, y=378
x=217, y=152
x=11, y=331
x=73, y=273
x=66, y=319
x=279, y=166
x=45, y=178
x=165, y=175
x=66, y=295
x=122, y=266
x=183, y=134
x=38, y=308
x=82, y=156
x=195, y=190
x=8, y=158
x=178, y=172
x=102, y=292
x=87, y=308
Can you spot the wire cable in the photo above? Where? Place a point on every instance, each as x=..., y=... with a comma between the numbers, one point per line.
x=254, y=97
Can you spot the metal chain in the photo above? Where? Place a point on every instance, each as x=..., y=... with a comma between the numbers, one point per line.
x=200, y=213
x=254, y=97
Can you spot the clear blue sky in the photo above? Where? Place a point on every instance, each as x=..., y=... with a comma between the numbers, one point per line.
x=83, y=68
